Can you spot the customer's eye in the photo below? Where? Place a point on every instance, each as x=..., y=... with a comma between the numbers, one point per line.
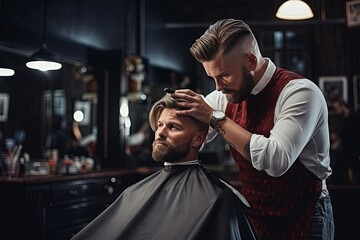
x=173, y=127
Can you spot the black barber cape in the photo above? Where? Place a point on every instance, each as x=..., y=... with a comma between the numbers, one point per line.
x=178, y=202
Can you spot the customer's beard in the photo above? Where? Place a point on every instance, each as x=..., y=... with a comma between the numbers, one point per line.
x=237, y=96
x=167, y=152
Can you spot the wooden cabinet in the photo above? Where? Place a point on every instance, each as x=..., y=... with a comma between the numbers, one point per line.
x=57, y=208
x=73, y=204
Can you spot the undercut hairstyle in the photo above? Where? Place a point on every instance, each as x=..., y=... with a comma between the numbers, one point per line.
x=220, y=37
x=168, y=102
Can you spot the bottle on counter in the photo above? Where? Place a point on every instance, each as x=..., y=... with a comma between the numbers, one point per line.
x=22, y=168
x=53, y=161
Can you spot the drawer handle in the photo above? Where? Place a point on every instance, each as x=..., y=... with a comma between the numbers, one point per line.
x=110, y=189
x=74, y=192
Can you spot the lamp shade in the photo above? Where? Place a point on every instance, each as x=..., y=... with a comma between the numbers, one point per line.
x=294, y=10
x=5, y=69
x=43, y=60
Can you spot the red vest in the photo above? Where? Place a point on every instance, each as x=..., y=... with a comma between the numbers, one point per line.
x=282, y=207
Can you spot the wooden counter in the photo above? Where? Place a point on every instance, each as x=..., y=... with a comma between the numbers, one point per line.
x=55, y=207
x=36, y=179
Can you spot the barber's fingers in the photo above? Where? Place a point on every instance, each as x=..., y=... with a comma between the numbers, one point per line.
x=185, y=91
x=199, y=110
x=187, y=95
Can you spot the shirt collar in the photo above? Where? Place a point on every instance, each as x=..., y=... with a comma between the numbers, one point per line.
x=193, y=162
x=265, y=79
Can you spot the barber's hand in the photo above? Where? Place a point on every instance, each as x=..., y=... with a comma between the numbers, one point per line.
x=194, y=103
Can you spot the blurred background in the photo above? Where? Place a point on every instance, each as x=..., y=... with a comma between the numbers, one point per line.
x=116, y=57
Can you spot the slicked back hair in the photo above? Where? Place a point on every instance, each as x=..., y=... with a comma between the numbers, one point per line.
x=220, y=37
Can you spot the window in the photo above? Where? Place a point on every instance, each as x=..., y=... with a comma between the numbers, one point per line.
x=287, y=49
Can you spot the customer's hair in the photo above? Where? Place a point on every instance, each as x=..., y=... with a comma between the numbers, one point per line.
x=219, y=37
x=168, y=102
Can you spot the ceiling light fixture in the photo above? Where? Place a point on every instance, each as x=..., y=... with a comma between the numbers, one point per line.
x=294, y=10
x=43, y=59
x=5, y=69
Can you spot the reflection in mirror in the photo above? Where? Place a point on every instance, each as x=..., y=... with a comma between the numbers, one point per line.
x=134, y=107
x=71, y=113
x=46, y=107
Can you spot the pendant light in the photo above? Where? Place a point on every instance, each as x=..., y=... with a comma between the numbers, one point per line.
x=43, y=59
x=5, y=69
x=294, y=10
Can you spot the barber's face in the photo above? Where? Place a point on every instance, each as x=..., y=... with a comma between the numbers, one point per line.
x=173, y=137
x=231, y=75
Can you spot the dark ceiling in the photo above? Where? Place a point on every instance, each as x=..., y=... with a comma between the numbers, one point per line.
x=114, y=24
x=211, y=10
x=259, y=11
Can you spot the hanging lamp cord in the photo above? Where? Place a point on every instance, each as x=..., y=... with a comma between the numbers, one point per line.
x=44, y=25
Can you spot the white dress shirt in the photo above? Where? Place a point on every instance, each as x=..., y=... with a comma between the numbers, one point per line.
x=300, y=129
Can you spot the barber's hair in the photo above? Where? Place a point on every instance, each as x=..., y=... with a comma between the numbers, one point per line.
x=220, y=37
x=168, y=102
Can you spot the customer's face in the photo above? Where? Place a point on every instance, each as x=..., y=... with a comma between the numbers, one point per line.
x=231, y=75
x=174, y=137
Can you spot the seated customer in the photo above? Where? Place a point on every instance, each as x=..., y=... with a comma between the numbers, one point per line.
x=181, y=201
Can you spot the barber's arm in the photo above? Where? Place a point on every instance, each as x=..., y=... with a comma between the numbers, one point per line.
x=297, y=114
x=299, y=110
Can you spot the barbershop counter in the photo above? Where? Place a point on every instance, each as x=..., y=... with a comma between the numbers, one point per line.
x=58, y=206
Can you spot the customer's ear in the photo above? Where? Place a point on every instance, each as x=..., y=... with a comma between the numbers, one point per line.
x=199, y=138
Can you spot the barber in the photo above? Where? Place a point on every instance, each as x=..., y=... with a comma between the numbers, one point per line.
x=276, y=123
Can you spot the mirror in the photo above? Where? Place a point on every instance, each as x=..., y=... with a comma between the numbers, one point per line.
x=54, y=109
x=134, y=107
x=70, y=115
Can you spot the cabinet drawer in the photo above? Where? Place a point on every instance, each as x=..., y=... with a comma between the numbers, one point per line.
x=84, y=190
x=74, y=214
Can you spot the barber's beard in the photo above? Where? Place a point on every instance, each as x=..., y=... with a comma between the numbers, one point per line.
x=237, y=96
x=167, y=152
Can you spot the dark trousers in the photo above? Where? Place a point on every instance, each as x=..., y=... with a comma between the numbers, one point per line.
x=322, y=224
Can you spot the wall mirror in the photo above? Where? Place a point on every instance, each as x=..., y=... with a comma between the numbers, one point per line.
x=53, y=109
